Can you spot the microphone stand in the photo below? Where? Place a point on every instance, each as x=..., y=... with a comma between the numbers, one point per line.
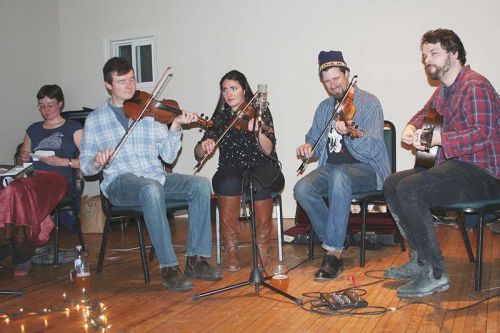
x=256, y=277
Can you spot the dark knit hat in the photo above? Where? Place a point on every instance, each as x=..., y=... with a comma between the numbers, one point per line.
x=328, y=59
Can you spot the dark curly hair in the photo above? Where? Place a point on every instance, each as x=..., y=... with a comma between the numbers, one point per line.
x=448, y=40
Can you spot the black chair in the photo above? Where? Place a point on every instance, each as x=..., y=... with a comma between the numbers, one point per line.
x=481, y=208
x=69, y=202
x=135, y=213
x=371, y=197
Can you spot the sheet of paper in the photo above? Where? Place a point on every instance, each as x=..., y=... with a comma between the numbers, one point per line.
x=41, y=153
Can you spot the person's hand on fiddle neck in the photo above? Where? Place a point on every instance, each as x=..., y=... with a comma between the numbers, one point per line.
x=185, y=118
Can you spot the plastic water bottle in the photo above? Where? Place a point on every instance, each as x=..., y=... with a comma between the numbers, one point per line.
x=82, y=278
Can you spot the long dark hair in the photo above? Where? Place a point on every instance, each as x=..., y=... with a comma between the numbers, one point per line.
x=236, y=76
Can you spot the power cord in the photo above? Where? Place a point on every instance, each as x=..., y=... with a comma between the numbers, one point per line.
x=320, y=303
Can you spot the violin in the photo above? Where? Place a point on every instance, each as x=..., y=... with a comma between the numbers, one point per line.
x=346, y=112
x=245, y=113
x=338, y=113
x=164, y=111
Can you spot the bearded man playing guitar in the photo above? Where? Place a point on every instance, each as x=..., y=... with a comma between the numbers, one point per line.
x=467, y=159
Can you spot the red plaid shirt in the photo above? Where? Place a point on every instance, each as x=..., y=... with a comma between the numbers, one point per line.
x=471, y=121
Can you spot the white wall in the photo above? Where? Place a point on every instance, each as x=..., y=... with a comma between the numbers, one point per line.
x=273, y=42
x=29, y=58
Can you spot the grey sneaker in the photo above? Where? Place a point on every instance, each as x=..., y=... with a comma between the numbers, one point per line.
x=425, y=284
x=408, y=271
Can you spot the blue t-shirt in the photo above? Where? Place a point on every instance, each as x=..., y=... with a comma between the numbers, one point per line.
x=60, y=140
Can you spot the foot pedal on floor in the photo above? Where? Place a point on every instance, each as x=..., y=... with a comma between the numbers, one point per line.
x=344, y=300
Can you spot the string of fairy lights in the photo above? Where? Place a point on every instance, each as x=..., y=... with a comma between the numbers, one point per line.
x=92, y=312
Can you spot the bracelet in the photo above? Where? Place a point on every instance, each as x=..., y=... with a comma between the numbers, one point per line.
x=69, y=162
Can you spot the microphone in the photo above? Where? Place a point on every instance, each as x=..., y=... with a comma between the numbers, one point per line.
x=261, y=101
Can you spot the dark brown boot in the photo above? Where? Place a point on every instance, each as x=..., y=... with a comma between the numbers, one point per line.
x=264, y=225
x=229, y=213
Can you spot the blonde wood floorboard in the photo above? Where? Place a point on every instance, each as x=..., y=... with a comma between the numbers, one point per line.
x=136, y=307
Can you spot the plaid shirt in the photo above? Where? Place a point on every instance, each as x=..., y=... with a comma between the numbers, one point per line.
x=471, y=121
x=139, y=155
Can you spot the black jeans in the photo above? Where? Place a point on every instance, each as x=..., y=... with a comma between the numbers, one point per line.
x=412, y=193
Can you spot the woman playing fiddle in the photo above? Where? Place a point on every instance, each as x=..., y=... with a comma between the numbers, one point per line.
x=243, y=149
x=136, y=176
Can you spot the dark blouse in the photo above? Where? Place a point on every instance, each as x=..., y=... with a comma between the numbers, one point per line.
x=240, y=148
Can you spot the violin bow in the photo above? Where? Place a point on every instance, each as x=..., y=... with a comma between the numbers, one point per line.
x=336, y=110
x=200, y=163
x=156, y=91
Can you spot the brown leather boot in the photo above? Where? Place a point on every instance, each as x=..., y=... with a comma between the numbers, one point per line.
x=264, y=225
x=229, y=213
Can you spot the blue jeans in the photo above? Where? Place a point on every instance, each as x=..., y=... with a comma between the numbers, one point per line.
x=412, y=193
x=130, y=190
x=338, y=182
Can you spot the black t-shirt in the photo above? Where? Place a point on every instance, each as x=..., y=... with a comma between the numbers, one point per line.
x=337, y=151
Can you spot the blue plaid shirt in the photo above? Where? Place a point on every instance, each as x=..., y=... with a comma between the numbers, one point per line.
x=139, y=155
x=370, y=148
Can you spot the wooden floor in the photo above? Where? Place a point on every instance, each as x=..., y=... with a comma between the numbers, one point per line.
x=132, y=306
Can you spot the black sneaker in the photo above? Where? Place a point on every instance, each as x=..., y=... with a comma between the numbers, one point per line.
x=173, y=279
x=329, y=269
x=197, y=267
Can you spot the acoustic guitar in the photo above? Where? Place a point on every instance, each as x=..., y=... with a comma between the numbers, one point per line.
x=432, y=124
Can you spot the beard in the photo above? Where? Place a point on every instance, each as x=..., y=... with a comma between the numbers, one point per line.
x=338, y=94
x=437, y=72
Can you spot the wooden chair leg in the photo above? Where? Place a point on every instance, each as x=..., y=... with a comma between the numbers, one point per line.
x=104, y=240
x=142, y=247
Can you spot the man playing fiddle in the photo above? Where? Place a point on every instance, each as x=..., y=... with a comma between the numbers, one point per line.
x=136, y=176
x=347, y=163
x=468, y=160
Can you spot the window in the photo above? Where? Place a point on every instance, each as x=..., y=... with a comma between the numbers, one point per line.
x=141, y=54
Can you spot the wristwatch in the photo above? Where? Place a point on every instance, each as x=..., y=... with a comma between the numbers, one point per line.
x=69, y=162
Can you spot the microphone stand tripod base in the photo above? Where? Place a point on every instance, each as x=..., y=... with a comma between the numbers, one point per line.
x=256, y=278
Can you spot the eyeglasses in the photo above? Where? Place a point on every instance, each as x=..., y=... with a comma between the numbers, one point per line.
x=47, y=106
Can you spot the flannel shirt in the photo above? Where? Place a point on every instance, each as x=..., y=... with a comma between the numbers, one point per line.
x=471, y=121
x=139, y=155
